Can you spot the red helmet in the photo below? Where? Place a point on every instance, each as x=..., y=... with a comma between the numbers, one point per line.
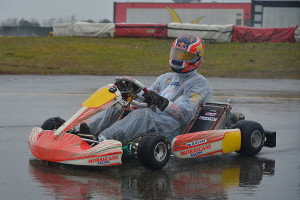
x=186, y=53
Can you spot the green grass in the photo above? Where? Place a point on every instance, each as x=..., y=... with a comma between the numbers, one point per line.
x=127, y=56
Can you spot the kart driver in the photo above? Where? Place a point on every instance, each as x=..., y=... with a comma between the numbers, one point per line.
x=177, y=96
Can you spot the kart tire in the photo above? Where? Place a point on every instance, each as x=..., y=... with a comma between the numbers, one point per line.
x=52, y=123
x=252, y=136
x=153, y=151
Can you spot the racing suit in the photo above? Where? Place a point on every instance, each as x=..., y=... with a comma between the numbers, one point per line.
x=184, y=91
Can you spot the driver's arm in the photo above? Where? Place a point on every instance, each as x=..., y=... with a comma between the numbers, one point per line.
x=185, y=106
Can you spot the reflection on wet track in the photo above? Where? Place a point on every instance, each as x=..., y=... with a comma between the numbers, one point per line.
x=203, y=178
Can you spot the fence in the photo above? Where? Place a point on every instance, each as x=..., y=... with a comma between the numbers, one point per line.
x=22, y=31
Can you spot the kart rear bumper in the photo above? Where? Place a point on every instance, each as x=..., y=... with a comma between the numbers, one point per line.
x=270, y=139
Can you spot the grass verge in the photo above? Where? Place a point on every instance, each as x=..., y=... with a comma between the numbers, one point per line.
x=129, y=56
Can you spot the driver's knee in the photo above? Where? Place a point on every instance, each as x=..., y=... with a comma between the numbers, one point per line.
x=142, y=113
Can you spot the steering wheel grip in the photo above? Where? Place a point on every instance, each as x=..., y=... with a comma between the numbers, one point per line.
x=146, y=90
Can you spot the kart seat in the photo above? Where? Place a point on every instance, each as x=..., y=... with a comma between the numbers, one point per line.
x=209, y=116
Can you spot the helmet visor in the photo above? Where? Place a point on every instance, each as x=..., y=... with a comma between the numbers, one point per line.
x=179, y=54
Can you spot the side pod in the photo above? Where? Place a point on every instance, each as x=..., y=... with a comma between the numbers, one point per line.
x=206, y=143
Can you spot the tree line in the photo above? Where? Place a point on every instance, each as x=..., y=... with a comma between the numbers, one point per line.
x=46, y=23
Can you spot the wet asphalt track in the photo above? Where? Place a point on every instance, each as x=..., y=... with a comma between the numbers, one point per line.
x=26, y=101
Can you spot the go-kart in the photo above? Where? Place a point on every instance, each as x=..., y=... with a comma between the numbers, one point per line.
x=213, y=131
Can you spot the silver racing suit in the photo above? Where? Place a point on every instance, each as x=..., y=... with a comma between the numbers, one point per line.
x=184, y=91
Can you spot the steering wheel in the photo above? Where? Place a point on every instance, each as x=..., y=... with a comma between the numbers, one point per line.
x=129, y=88
x=128, y=85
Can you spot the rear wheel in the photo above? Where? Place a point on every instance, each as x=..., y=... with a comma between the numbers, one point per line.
x=253, y=137
x=153, y=151
x=52, y=123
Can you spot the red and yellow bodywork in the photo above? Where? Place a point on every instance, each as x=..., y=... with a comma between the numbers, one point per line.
x=206, y=143
x=63, y=147
x=71, y=149
x=97, y=102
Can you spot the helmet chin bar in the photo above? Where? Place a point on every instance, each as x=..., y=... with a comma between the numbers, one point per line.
x=176, y=70
x=180, y=69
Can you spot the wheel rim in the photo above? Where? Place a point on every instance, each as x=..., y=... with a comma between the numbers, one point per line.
x=256, y=139
x=160, y=151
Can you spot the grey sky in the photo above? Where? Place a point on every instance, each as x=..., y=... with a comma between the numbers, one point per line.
x=81, y=9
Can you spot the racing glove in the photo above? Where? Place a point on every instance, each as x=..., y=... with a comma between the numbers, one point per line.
x=152, y=98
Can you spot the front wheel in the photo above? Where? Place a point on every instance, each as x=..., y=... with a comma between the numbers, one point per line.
x=253, y=137
x=153, y=151
x=52, y=123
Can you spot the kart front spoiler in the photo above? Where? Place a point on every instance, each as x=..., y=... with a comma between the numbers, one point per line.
x=70, y=149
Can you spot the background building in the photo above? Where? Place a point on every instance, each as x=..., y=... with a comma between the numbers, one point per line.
x=268, y=13
x=194, y=13
x=258, y=13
